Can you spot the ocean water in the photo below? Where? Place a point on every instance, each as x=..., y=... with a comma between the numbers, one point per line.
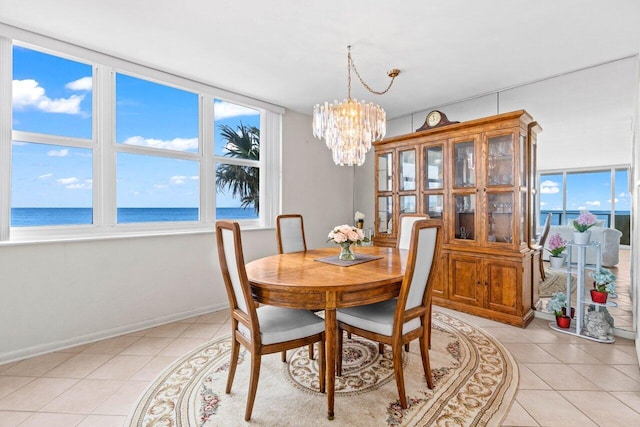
x=32, y=217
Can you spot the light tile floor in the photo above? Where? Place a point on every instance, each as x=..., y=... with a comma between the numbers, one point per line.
x=564, y=380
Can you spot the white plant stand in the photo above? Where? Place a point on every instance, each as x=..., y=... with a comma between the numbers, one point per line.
x=583, y=298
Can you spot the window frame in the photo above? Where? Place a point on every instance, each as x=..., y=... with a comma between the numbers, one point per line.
x=105, y=148
x=612, y=169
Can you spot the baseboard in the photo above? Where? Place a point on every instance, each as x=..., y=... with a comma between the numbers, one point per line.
x=38, y=350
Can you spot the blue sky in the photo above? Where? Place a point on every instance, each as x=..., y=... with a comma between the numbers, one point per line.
x=585, y=190
x=53, y=95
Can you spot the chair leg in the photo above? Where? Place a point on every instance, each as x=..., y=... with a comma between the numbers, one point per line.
x=406, y=347
x=253, y=384
x=310, y=351
x=397, y=369
x=283, y=356
x=349, y=335
x=322, y=365
x=426, y=366
x=339, y=352
x=235, y=352
x=380, y=348
x=429, y=328
x=542, y=275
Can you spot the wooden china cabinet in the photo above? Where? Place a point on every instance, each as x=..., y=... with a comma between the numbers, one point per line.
x=479, y=178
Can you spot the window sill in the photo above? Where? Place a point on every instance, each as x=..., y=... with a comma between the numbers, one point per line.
x=41, y=235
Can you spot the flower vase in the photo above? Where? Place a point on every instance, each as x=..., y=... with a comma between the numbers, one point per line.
x=563, y=322
x=598, y=297
x=581, y=238
x=345, y=252
x=556, y=261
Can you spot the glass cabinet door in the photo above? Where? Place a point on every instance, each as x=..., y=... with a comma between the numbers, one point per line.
x=385, y=211
x=407, y=204
x=434, y=205
x=465, y=217
x=385, y=171
x=500, y=217
x=408, y=170
x=434, y=169
x=500, y=161
x=465, y=158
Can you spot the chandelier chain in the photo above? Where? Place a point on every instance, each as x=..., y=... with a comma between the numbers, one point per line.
x=352, y=64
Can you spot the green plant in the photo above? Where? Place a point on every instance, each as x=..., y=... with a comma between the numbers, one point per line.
x=603, y=280
x=557, y=302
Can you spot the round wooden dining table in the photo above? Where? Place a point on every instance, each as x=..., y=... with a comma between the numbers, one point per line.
x=299, y=280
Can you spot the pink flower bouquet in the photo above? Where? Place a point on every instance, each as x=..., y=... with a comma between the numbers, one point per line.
x=585, y=221
x=557, y=245
x=346, y=234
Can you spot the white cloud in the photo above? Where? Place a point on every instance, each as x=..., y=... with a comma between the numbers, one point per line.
x=84, y=83
x=195, y=177
x=45, y=176
x=86, y=185
x=58, y=153
x=543, y=203
x=29, y=94
x=161, y=186
x=178, y=179
x=67, y=181
x=549, y=187
x=180, y=144
x=594, y=203
x=224, y=110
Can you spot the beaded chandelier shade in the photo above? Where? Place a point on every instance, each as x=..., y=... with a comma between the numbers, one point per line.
x=351, y=126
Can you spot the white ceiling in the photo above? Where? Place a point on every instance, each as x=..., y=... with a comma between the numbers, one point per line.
x=293, y=53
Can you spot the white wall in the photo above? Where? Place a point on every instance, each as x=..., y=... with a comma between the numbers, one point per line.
x=56, y=295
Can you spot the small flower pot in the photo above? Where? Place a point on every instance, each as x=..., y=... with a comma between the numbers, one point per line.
x=563, y=322
x=581, y=238
x=556, y=261
x=599, y=297
x=573, y=312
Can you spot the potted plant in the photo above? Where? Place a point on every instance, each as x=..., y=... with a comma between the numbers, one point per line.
x=558, y=305
x=603, y=285
x=345, y=236
x=582, y=224
x=557, y=245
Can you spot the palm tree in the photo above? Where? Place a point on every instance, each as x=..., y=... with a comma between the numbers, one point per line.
x=242, y=181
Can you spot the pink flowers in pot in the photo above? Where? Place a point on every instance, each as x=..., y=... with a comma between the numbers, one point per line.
x=346, y=234
x=557, y=245
x=585, y=221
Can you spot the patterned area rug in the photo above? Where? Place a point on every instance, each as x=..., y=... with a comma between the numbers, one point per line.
x=475, y=382
x=555, y=282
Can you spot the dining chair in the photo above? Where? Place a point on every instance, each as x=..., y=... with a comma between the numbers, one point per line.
x=404, y=229
x=290, y=236
x=290, y=233
x=403, y=242
x=265, y=329
x=541, y=241
x=399, y=321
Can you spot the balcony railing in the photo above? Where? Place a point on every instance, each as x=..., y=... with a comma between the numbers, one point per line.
x=621, y=220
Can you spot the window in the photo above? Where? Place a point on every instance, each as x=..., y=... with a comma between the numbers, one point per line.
x=237, y=160
x=603, y=192
x=158, y=161
x=102, y=145
x=51, y=174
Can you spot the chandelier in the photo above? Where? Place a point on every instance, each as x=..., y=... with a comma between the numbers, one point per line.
x=351, y=126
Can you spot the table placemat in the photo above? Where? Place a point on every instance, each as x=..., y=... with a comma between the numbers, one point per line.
x=360, y=258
